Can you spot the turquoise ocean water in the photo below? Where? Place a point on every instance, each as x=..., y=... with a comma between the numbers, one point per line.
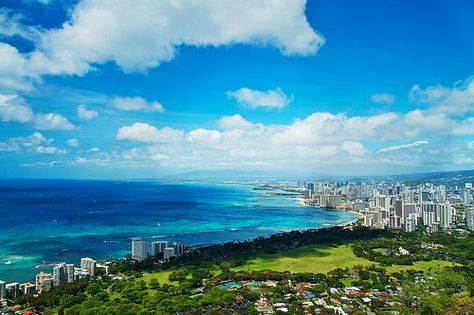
x=49, y=221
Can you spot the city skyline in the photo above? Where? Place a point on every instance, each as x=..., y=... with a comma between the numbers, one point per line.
x=87, y=90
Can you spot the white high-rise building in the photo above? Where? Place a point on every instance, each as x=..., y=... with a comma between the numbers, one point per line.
x=382, y=201
x=13, y=290
x=90, y=265
x=139, y=249
x=429, y=213
x=445, y=215
x=470, y=218
x=178, y=248
x=158, y=247
x=63, y=273
x=3, y=290
x=369, y=219
x=411, y=222
x=59, y=274
x=467, y=197
x=70, y=272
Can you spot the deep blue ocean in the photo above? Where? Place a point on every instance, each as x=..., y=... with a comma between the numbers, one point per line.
x=48, y=221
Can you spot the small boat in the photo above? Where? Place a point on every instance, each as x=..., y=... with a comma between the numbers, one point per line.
x=9, y=262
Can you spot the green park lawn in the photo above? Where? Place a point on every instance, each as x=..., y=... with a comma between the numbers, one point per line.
x=161, y=276
x=316, y=259
x=322, y=259
x=433, y=265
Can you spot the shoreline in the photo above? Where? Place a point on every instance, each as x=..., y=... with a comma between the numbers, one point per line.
x=301, y=201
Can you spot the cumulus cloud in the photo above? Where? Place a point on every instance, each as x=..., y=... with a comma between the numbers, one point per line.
x=144, y=132
x=320, y=139
x=255, y=98
x=52, y=121
x=382, y=98
x=86, y=114
x=35, y=143
x=49, y=150
x=73, y=142
x=11, y=24
x=234, y=122
x=141, y=35
x=15, y=73
x=135, y=104
x=13, y=108
x=354, y=148
x=456, y=100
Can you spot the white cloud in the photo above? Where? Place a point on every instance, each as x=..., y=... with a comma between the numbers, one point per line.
x=14, y=70
x=86, y=114
x=73, y=142
x=456, y=100
x=382, y=98
x=35, y=143
x=51, y=121
x=403, y=146
x=354, y=148
x=49, y=150
x=141, y=35
x=234, y=122
x=319, y=140
x=144, y=132
x=13, y=108
x=255, y=98
x=11, y=24
x=136, y=103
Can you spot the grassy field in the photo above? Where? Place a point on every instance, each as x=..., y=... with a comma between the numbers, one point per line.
x=317, y=259
x=433, y=265
x=323, y=259
x=306, y=259
x=161, y=276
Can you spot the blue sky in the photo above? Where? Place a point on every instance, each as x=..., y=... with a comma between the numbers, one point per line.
x=147, y=88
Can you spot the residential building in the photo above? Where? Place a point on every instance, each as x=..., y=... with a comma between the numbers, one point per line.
x=467, y=197
x=158, y=247
x=70, y=272
x=13, y=290
x=3, y=290
x=90, y=265
x=445, y=215
x=27, y=288
x=44, y=282
x=139, y=249
x=59, y=274
x=470, y=218
x=330, y=201
x=411, y=223
x=178, y=248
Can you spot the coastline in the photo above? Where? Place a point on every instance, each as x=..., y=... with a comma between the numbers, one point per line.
x=302, y=202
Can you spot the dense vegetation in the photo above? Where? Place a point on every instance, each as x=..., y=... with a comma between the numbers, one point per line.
x=195, y=283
